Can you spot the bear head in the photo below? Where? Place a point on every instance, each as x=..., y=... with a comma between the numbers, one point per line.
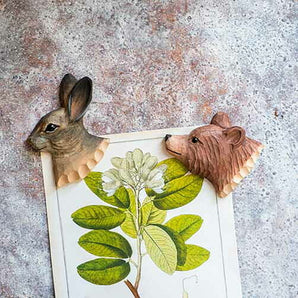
x=219, y=152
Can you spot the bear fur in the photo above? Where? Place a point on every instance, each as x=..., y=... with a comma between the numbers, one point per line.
x=219, y=152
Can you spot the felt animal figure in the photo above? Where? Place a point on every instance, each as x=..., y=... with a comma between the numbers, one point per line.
x=220, y=152
x=62, y=133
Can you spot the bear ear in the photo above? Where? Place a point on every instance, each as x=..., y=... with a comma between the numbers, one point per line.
x=235, y=135
x=221, y=119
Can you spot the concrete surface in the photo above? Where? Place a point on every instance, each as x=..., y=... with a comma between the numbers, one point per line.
x=154, y=64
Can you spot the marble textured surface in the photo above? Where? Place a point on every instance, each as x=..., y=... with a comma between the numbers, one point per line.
x=154, y=64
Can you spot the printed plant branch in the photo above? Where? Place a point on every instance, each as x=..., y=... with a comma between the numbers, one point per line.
x=141, y=190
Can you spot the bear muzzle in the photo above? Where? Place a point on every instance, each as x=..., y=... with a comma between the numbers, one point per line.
x=175, y=144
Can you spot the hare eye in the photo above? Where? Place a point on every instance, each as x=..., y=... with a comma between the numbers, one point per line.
x=51, y=127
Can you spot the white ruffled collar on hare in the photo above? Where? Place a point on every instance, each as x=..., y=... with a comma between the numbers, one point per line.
x=79, y=165
x=61, y=132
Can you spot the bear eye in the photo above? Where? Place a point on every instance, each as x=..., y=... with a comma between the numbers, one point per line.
x=194, y=139
x=51, y=127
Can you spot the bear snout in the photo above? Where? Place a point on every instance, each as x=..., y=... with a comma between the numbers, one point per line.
x=167, y=137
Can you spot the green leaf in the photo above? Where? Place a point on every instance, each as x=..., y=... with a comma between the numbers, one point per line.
x=106, y=244
x=119, y=199
x=161, y=248
x=98, y=217
x=128, y=226
x=104, y=271
x=195, y=257
x=150, y=214
x=175, y=169
x=178, y=192
x=186, y=225
x=179, y=243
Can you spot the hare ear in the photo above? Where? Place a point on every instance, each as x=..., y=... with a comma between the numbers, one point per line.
x=65, y=88
x=221, y=119
x=79, y=99
x=235, y=135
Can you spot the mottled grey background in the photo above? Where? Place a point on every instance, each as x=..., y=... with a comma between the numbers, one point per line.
x=154, y=64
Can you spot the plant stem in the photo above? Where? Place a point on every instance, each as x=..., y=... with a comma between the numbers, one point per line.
x=139, y=240
x=133, y=262
x=137, y=282
x=132, y=289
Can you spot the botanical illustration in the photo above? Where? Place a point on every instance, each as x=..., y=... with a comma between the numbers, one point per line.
x=141, y=190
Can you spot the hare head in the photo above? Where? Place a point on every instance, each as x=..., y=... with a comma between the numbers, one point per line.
x=62, y=133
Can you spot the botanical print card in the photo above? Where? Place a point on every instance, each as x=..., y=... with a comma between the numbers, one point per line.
x=140, y=225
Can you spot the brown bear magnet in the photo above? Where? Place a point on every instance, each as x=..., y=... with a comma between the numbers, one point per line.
x=219, y=152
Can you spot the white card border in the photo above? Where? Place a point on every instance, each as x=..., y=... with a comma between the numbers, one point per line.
x=224, y=208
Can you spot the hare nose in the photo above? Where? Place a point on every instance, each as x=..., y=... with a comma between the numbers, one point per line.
x=167, y=137
x=29, y=140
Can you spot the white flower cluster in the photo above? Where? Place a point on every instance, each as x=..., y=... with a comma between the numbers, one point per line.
x=137, y=170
